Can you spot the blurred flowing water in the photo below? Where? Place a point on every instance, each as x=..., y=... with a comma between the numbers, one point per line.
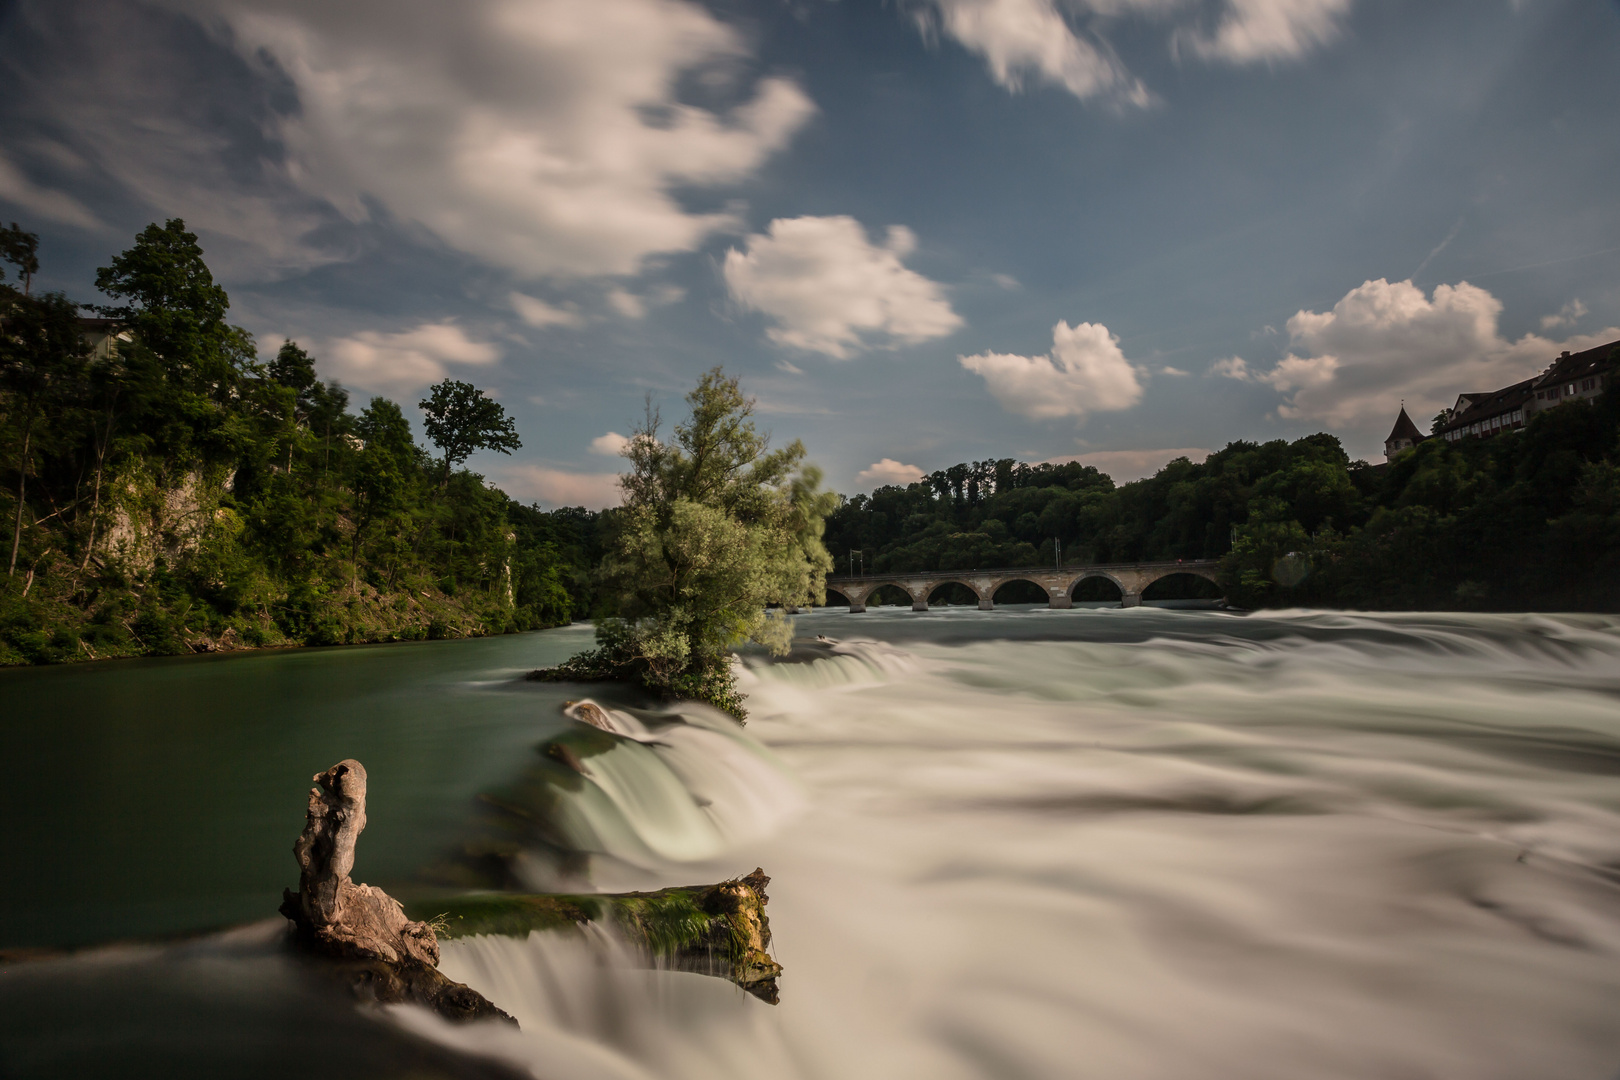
x=1022, y=843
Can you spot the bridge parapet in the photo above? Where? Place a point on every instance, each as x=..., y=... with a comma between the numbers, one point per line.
x=1132, y=579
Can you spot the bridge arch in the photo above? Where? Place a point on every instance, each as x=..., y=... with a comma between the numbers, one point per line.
x=893, y=591
x=1034, y=592
x=843, y=597
x=1183, y=585
x=934, y=586
x=1099, y=589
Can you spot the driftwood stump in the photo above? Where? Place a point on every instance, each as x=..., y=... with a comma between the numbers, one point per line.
x=383, y=955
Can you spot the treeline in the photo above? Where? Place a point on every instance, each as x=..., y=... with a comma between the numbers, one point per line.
x=1525, y=520
x=166, y=490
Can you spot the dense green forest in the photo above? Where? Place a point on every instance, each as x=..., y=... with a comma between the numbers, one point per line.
x=166, y=490
x=1526, y=520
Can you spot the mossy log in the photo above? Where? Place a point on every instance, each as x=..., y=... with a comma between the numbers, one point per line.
x=719, y=930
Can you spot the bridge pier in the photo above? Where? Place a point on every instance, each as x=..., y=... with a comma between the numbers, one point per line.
x=1061, y=600
x=919, y=605
x=986, y=604
x=1131, y=599
x=856, y=609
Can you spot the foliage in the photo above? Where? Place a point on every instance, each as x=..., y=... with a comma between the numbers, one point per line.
x=1527, y=519
x=715, y=527
x=170, y=493
x=460, y=419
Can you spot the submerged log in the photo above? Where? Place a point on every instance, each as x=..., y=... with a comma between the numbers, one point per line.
x=719, y=930
x=383, y=955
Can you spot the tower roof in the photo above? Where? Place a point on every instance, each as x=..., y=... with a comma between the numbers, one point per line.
x=1405, y=429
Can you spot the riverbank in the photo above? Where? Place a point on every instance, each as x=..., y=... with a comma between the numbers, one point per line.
x=70, y=619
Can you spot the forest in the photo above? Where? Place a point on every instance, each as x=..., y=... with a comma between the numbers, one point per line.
x=168, y=491
x=1527, y=520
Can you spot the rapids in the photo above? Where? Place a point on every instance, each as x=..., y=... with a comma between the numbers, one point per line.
x=1122, y=844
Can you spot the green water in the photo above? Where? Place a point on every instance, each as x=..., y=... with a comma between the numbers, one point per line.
x=153, y=797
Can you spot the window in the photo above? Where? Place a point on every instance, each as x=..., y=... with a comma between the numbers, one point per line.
x=1570, y=389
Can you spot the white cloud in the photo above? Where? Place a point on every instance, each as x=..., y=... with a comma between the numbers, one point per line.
x=1007, y=281
x=558, y=487
x=1384, y=342
x=611, y=444
x=1127, y=465
x=1256, y=30
x=1568, y=315
x=626, y=303
x=890, y=471
x=538, y=313
x=540, y=135
x=42, y=202
x=828, y=289
x=1033, y=39
x=1232, y=367
x=1174, y=372
x=1085, y=373
x=1023, y=39
x=405, y=360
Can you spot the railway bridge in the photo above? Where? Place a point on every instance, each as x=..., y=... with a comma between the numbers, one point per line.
x=1059, y=583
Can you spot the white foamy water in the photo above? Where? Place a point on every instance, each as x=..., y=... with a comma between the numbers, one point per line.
x=1143, y=844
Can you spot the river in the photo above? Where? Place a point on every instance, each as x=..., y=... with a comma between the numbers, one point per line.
x=1100, y=843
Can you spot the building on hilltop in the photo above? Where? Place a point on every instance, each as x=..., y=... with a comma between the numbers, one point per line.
x=1404, y=436
x=1571, y=377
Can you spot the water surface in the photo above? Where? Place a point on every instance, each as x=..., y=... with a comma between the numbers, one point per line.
x=1022, y=843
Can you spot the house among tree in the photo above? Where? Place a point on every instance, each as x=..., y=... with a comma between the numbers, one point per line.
x=1572, y=376
x=1404, y=436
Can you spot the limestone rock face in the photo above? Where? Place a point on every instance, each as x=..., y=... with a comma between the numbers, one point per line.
x=385, y=956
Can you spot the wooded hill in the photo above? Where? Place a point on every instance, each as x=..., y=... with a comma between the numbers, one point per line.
x=168, y=491
x=1526, y=520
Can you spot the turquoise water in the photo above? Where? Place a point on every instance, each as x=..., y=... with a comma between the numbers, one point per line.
x=1116, y=844
x=154, y=797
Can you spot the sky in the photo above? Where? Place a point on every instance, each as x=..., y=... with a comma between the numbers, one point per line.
x=920, y=231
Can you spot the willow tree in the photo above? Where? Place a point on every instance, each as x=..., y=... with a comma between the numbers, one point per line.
x=716, y=527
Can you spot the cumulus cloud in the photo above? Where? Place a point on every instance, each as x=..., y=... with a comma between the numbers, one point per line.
x=611, y=444
x=405, y=360
x=1033, y=40
x=890, y=471
x=538, y=313
x=626, y=303
x=1568, y=315
x=51, y=205
x=135, y=117
x=1384, y=342
x=1084, y=373
x=1232, y=367
x=826, y=288
x=1265, y=30
x=544, y=136
x=1127, y=465
x=559, y=487
x=1030, y=40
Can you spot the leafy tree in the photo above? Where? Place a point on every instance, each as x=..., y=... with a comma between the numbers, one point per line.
x=41, y=358
x=21, y=249
x=175, y=308
x=715, y=526
x=460, y=419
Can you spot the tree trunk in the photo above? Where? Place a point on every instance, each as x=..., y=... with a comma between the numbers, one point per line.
x=22, y=486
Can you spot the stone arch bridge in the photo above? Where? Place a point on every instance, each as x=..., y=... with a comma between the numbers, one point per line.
x=1132, y=579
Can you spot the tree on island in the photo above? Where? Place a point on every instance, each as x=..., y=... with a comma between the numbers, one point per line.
x=715, y=526
x=460, y=419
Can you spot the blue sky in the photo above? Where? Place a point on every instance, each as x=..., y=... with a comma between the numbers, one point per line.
x=922, y=232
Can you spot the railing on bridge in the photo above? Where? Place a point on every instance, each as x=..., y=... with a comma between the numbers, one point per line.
x=1132, y=579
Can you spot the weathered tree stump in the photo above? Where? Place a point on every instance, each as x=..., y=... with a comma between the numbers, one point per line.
x=380, y=953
